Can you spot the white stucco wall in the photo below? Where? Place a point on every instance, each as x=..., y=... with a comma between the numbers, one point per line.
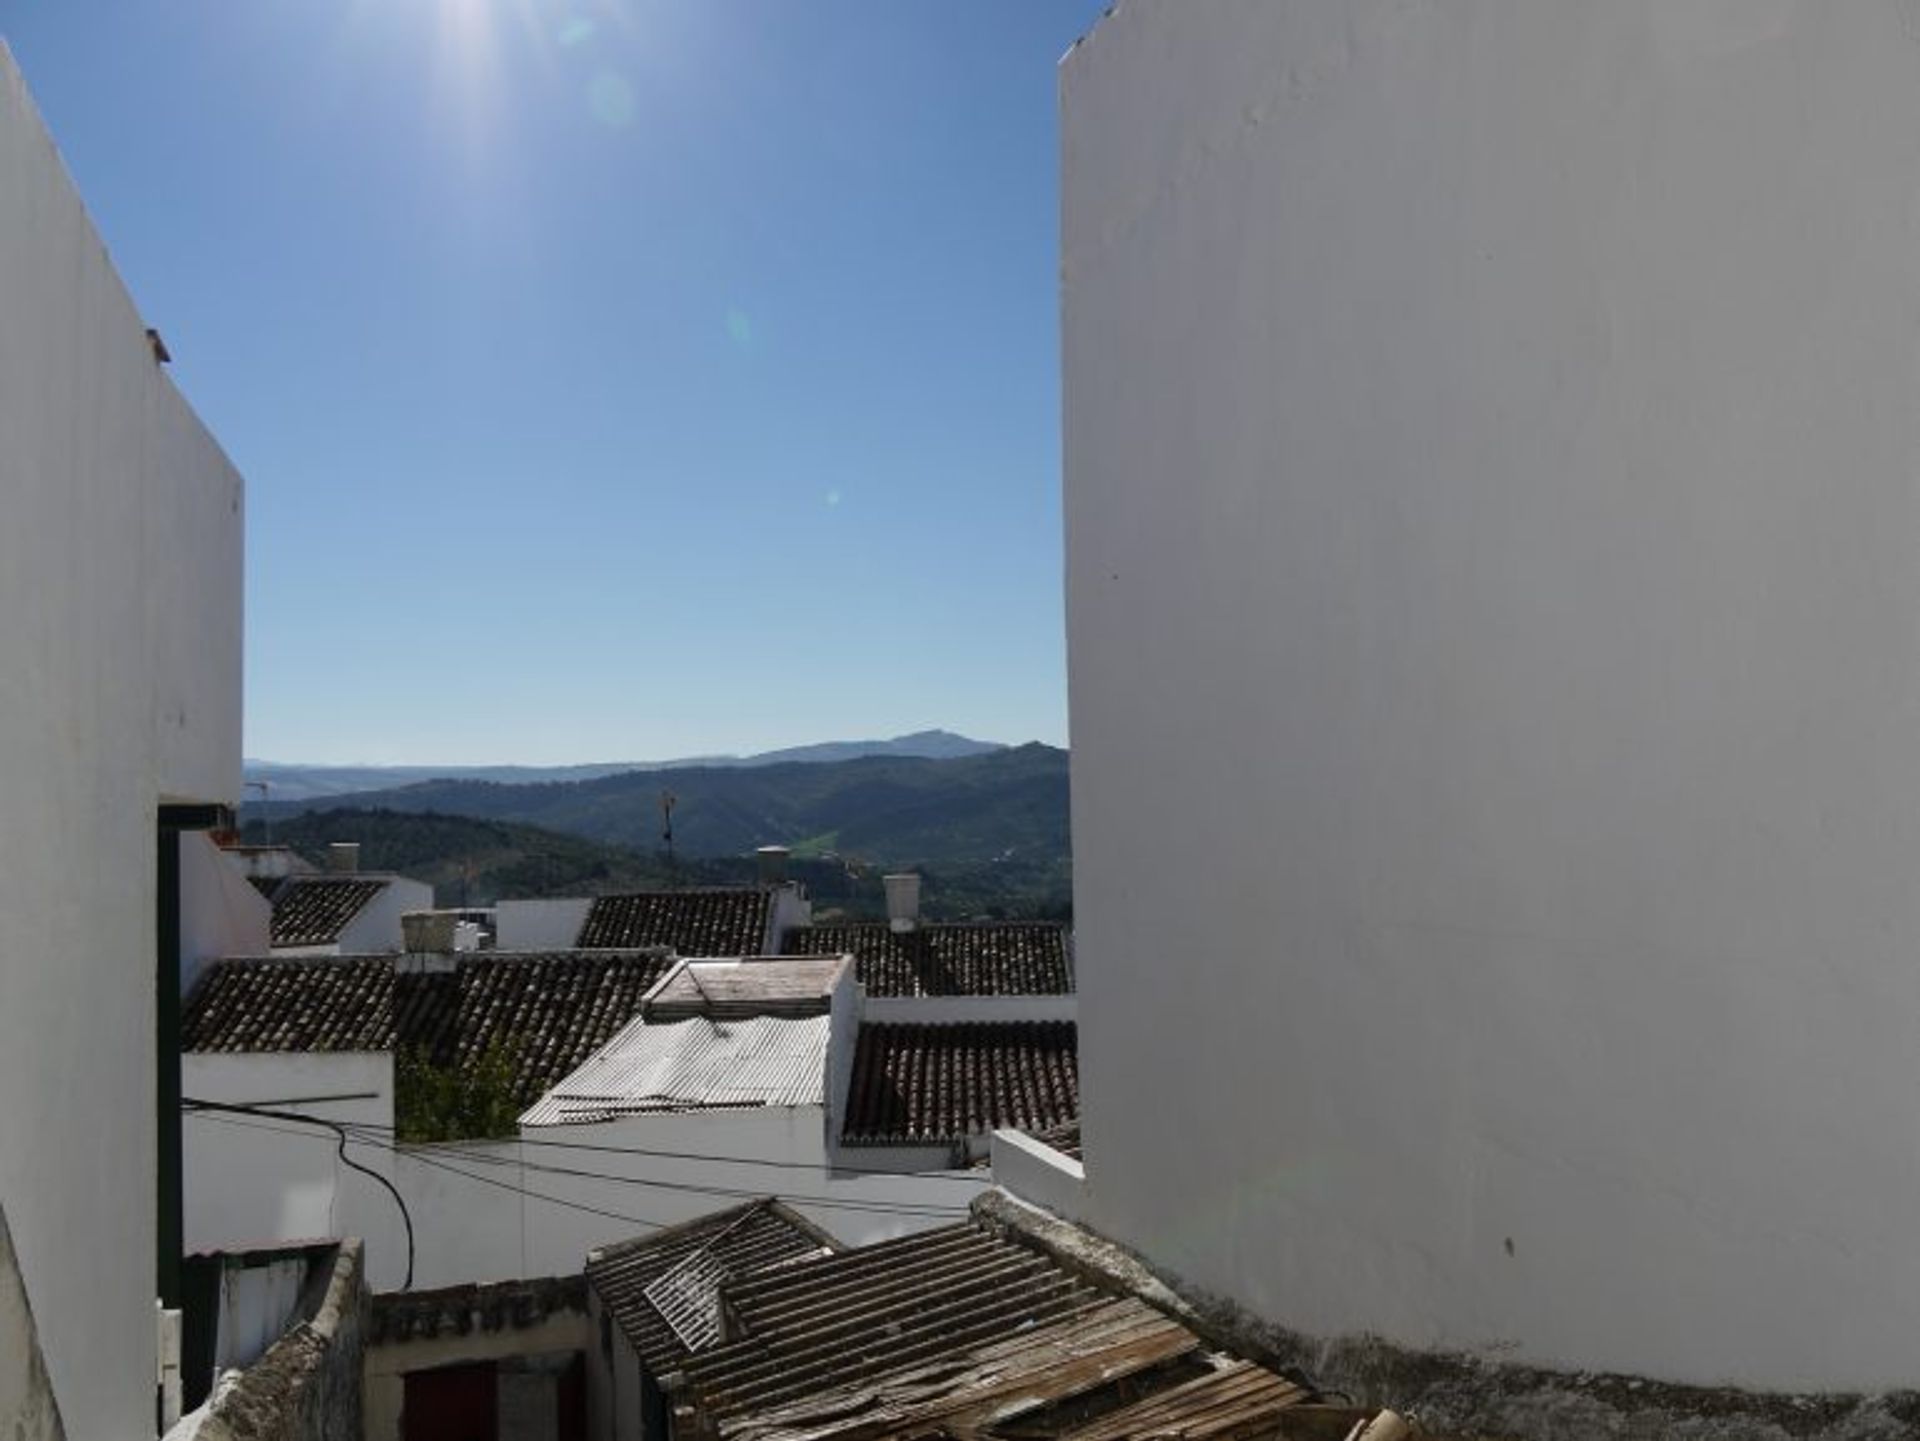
x=250, y=1181
x=1491, y=452
x=383, y=1378
x=256, y=1302
x=120, y=574
x=540, y=925
x=1038, y=1174
x=504, y=1210
x=376, y=929
x=221, y=914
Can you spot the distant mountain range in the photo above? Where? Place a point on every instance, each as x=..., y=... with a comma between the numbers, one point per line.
x=1004, y=805
x=289, y=782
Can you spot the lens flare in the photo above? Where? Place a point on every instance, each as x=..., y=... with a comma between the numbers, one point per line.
x=739, y=328
x=610, y=98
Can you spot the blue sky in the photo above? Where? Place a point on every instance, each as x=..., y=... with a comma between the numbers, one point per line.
x=613, y=379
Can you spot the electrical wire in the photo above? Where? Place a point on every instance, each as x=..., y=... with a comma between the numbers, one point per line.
x=340, y=1133
x=366, y=1133
x=455, y=1170
x=901, y=1208
x=947, y=1176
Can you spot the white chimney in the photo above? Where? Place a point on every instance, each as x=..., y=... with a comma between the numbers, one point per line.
x=343, y=857
x=429, y=933
x=903, y=900
x=773, y=865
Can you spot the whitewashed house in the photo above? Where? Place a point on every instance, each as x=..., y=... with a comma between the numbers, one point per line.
x=698, y=921
x=120, y=615
x=342, y=912
x=648, y=1089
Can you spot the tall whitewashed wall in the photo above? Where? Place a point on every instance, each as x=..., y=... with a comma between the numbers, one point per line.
x=120, y=575
x=513, y=1209
x=252, y=1180
x=534, y=1207
x=540, y=925
x=1492, y=473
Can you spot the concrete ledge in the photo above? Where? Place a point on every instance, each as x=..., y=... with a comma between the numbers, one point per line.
x=307, y=1385
x=1461, y=1393
x=1036, y=1173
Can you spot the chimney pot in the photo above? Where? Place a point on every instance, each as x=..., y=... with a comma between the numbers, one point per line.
x=773, y=865
x=903, y=900
x=343, y=857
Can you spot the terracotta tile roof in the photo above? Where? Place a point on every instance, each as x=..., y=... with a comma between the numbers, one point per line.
x=934, y=1084
x=760, y=986
x=1063, y=1138
x=557, y=1008
x=938, y=1334
x=999, y=959
x=705, y=1254
x=313, y=910
x=693, y=923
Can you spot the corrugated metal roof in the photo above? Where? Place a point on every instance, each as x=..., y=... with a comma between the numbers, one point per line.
x=693, y=1065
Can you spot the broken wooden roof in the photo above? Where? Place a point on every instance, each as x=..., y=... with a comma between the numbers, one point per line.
x=754, y=986
x=960, y=1332
x=663, y=1289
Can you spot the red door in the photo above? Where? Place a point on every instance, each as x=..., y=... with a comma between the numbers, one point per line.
x=452, y=1403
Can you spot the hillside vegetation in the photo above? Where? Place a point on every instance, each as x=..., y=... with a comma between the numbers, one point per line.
x=1008, y=806
x=471, y=861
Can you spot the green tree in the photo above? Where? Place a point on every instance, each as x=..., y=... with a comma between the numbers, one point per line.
x=477, y=1101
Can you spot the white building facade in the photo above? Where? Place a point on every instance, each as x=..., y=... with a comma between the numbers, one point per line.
x=1491, y=452
x=120, y=614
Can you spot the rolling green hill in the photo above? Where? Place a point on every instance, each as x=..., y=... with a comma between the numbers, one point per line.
x=1008, y=806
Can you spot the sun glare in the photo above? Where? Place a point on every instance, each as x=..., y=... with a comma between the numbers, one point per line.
x=567, y=40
